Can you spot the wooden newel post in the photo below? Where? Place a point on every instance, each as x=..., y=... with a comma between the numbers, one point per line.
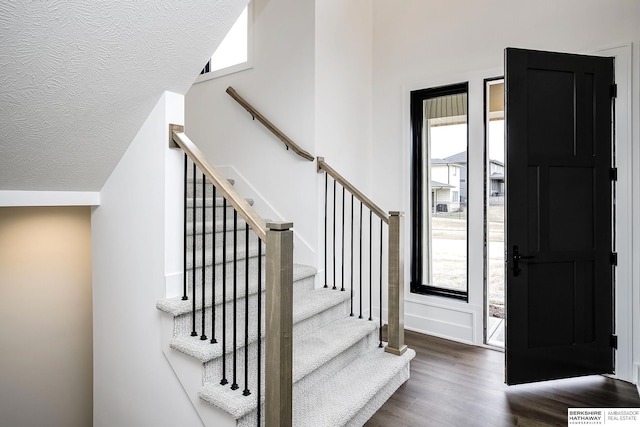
x=396, y=285
x=279, y=325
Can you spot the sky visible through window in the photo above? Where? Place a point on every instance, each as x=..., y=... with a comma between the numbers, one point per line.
x=233, y=49
x=453, y=140
x=448, y=140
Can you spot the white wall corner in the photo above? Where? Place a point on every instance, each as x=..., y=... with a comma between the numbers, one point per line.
x=130, y=256
x=174, y=214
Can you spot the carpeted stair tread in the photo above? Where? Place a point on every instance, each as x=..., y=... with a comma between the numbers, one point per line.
x=316, y=301
x=310, y=352
x=341, y=397
x=322, y=345
x=305, y=306
x=176, y=306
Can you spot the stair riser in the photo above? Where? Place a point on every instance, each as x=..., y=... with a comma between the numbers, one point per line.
x=317, y=321
x=199, y=178
x=381, y=397
x=240, y=239
x=300, y=285
x=218, y=214
x=213, y=369
x=219, y=225
x=209, y=289
x=210, y=201
x=307, y=383
x=240, y=259
x=208, y=189
x=367, y=343
x=183, y=324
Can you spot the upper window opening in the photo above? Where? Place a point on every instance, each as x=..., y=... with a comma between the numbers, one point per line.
x=234, y=52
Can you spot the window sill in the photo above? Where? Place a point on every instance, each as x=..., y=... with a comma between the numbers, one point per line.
x=224, y=72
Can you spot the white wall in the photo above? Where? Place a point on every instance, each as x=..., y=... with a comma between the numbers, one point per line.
x=423, y=44
x=311, y=77
x=281, y=86
x=45, y=322
x=343, y=87
x=133, y=383
x=343, y=95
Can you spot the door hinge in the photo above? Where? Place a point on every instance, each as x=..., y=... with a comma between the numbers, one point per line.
x=614, y=90
x=614, y=174
x=614, y=258
x=613, y=341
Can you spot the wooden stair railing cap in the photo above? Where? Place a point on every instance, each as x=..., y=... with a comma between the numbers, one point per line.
x=262, y=119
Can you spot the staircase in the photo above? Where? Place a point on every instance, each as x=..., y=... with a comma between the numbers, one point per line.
x=341, y=375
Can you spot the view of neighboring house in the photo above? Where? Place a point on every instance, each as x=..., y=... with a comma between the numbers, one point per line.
x=449, y=182
x=446, y=190
x=496, y=182
x=461, y=160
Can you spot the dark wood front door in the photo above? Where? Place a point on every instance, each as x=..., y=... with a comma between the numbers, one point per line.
x=559, y=297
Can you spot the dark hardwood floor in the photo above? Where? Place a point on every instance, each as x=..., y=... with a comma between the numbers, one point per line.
x=454, y=384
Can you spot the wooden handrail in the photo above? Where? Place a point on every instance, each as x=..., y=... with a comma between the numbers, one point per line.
x=246, y=211
x=322, y=166
x=262, y=119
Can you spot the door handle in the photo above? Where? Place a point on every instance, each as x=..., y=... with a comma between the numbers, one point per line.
x=516, y=260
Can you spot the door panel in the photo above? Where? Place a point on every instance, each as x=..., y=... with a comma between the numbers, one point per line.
x=559, y=298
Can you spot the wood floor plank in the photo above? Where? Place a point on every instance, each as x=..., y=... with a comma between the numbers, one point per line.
x=454, y=384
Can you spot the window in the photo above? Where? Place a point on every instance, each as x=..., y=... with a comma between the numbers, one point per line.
x=439, y=191
x=494, y=199
x=234, y=52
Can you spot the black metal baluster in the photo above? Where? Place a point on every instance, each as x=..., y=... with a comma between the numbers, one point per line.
x=203, y=337
x=360, y=271
x=381, y=223
x=184, y=230
x=370, y=266
x=246, y=391
x=213, y=265
x=326, y=189
x=351, y=248
x=224, y=380
x=193, y=258
x=259, y=393
x=234, y=385
x=334, y=235
x=342, y=254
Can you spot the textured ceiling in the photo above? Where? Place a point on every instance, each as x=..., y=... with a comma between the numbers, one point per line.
x=78, y=79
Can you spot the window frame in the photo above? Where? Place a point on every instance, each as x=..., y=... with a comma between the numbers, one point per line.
x=418, y=191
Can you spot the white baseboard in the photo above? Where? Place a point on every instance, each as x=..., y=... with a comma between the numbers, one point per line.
x=173, y=285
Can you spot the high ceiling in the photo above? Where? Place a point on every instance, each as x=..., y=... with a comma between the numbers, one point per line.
x=78, y=79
